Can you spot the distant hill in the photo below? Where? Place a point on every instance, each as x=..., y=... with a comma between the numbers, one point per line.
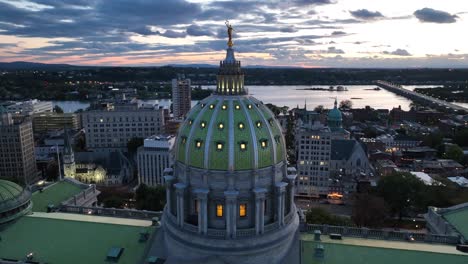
x=24, y=65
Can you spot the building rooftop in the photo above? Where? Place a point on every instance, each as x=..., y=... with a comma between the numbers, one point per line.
x=361, y=251
x=54, y=194
x=68, y=240
x=459, y=219
x=342, y=149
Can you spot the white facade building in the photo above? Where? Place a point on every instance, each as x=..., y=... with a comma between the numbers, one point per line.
x=153, y=157
x=30, y=107
x=181, y=97
x=313, y=146
x=112, y=128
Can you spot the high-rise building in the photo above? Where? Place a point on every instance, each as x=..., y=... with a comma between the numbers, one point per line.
x=17, y=157
x=153, y=158
x=181, y=97
x=313, y=146
x=43, y=122
x=30, y=107
x=111, y=128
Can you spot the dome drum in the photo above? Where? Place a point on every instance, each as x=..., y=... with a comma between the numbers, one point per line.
x=14, y=201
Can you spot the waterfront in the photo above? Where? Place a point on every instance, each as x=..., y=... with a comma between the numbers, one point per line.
x=293, y=95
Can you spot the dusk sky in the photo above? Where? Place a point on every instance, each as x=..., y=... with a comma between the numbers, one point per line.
x=305, y=33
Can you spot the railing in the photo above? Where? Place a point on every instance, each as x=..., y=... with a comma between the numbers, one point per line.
x=381, y=234
x=123, y=213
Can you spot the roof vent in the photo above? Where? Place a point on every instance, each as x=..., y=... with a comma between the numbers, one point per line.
x=114, y=253
x=317, y=235
x=319, y=251
x=335, y=236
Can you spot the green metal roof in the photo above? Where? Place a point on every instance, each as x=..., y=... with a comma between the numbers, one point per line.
x=230, y=133
x=54, y=194
x=68, y=241
x=9, y=190
x=369, y=251
x=459, y=220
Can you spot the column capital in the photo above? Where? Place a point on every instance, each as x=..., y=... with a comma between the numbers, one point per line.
x=259, y=193
x=231, y=194
x=168, y=179
x=201, y=193
x=180, y=187
x=281, y=186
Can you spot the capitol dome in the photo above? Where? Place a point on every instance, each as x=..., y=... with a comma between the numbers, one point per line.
x=230, y=190
x=14, y=201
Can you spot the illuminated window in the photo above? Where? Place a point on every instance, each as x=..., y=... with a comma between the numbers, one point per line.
x=202, y=105
x=220, y=125
x=243, y=145
x=198, y=143
x=264, y=143
x=224, y=107
x=219, y=146
x=237, y=107
x=190, y=121
x=184, y=139
x=219, y=210
x=202, y=124
x=242, y=210
x=241, y=126
x=259, y=124
x=212, y=106
x=249, y=106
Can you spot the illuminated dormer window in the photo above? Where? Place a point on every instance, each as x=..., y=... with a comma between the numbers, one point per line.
x=184, y=139
x=243, y=145
x=249, y=106
x=219, y=146
x=237, y=107
x=241, y=126
x=224, y=107
x=202, y=124
x=198, y=144
x=264, y=143
x=190, y=121
x=220, y=126
x=258, y=124
x=202, y=105
x=212, y=106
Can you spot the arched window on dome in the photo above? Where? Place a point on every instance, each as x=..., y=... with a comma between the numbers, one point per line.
x=243, y=145
x=264, y=143
x=258, y=124
x=198, y=143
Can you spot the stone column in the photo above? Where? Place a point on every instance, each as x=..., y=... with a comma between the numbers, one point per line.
x=231, y=213
x=180, y=189
x=168, y=180
x=259, y=210
x=280, y=189
x=202, y=197
x=292, y=179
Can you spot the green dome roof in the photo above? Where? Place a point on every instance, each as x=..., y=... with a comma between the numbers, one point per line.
x=9, y=190
x=335, y=115
x=231, y=133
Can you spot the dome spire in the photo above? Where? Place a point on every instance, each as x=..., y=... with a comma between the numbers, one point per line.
x=336, y=103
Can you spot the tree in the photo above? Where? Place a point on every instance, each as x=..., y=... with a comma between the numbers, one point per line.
x=319, y=108
x=454, y=152
x=346, y=104
x=320, y=216
x=58, y=109
x=133, y=144
x=150, y=198
x=369, y=210
x=433, y=140
x=113, y=202
x=461, y=138
x=402, y=191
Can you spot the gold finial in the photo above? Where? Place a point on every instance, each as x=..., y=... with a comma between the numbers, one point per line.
x=229, y=30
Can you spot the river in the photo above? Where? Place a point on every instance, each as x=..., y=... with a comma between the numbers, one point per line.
x=293, y=95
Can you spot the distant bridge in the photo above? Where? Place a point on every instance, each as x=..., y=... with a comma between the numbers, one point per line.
x=421, y=98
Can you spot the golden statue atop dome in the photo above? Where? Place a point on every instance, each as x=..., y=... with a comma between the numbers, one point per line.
x=229, y=30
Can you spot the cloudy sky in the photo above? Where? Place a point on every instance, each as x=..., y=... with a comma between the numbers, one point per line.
x=305, y=33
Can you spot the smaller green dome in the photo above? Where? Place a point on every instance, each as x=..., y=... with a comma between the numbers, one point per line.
x=15, y=201
x=9, y=190
x=335, y=115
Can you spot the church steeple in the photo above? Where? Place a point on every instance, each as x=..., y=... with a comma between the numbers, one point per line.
x=230, y=79
x=69, y=166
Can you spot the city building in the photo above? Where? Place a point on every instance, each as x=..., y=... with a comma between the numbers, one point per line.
x=30, y=107
x=109, y=128
x=44, y=122
x=153, y=158
x=17, y=156
x=181, y=97
x=385, y=167
x=230, y=191
x=313, y=152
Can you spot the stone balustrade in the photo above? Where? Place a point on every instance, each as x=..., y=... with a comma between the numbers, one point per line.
x=123, y=213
